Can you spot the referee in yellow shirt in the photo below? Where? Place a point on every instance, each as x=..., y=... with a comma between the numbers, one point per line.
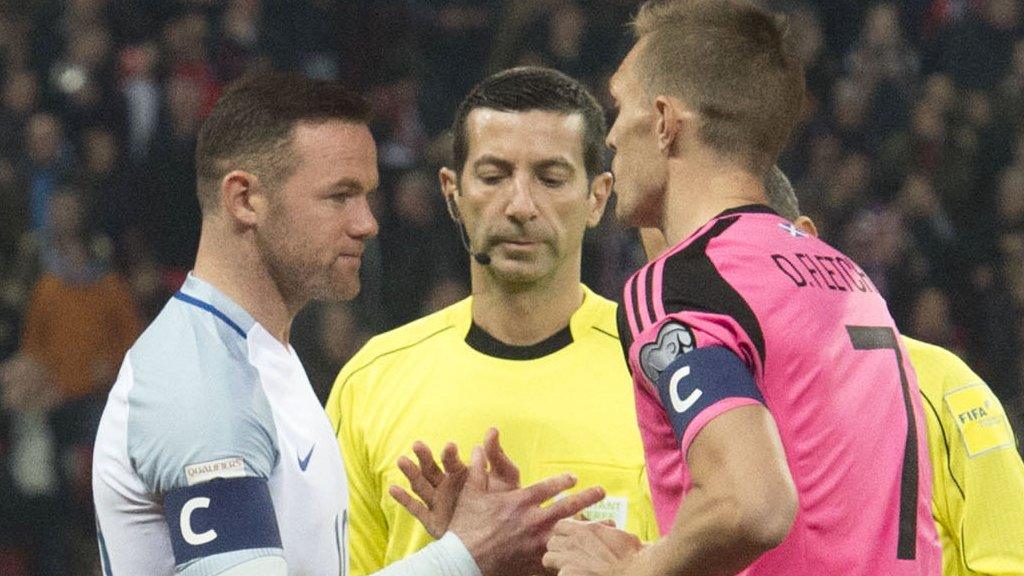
x=533, y=351
x=977, y=473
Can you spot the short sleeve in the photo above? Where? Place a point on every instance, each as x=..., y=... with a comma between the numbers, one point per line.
x=698, y=366
x=196, y=413
x=986, y=465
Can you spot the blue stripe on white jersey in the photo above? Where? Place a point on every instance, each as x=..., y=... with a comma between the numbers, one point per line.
x=207, y=392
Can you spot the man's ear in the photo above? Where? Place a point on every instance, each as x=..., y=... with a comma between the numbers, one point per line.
x=806, y=225
x=674, y=121
x=600, y=191
x=240, y=197
x=450, y=189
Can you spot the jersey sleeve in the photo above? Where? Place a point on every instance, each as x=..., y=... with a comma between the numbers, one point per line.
x=201, y=439
x=698, y=365
x=367, y=527
x=692, y=341
x=985, y=464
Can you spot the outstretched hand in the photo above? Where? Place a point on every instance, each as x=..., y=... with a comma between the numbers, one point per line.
x=590, y=549
x=438, y=490
x=502, y=525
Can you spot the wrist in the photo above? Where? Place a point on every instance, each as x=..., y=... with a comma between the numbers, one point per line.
x=475, y=548
x=461, y=554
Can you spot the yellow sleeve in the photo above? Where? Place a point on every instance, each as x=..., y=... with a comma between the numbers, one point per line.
x=367, y=529
x=985, y=463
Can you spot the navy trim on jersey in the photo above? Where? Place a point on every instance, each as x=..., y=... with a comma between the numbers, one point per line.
x=211, y=309
x=748, y=209
x=691, y=282
x=104, y=555
x=699, y=379
x=223, y=515
x=339, y=541
x=625, y=332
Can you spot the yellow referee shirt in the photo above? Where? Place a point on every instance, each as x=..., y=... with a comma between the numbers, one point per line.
x=564, y=405
x=978, y=494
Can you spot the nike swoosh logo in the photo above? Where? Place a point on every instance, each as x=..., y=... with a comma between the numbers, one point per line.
x=678, y=403
x=304, y=462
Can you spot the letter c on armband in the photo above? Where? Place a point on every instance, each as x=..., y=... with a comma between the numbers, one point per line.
x=186, y=523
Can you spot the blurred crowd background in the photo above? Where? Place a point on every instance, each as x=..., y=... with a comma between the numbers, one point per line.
x=910, y=158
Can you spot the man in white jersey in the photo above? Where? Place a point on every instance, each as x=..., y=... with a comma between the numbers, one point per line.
x=213, y=456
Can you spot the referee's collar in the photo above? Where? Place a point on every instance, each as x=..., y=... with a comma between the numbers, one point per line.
x=483, y=342
x=579, y=323
x=220, y=305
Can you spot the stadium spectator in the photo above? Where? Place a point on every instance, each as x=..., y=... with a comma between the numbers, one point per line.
x=141, y=91
x=19, y=99
x=965, y=48
x=76, y=299
x=47, y=162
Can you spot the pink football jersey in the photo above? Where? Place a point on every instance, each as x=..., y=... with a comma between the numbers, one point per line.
x=748, y=310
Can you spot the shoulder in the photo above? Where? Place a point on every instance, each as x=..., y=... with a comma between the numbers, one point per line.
x=194, y=398
x=601, y=313
x=938, y=370
x=961, y=401
x=405, y=341
x=689, y=279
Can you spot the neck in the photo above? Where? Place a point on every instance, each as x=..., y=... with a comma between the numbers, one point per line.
x=521, y=315
x=699, y=190
x=231, y=264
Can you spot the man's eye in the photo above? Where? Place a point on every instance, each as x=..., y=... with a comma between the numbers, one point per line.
x=490, y=180
x=553, y=182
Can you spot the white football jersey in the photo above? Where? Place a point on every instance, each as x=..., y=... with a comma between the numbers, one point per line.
x=209, y=415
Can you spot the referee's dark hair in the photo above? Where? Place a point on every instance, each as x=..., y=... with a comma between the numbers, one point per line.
x=251, y=127
x=528, y=88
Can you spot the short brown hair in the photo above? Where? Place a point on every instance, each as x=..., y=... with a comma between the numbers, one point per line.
x=734, y=63
x=251, y=126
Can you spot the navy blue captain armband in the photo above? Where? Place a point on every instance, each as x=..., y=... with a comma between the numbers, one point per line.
x=223, y=515
x=699, y=379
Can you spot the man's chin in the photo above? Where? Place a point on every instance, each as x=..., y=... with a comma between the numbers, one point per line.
x=627, y=215
x=339, y=291
x=633, y=215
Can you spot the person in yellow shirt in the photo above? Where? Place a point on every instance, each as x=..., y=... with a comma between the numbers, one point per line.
x=978, y=475
x=532, y=352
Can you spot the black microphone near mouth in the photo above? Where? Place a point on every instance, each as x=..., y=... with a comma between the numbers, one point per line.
x=482, y=258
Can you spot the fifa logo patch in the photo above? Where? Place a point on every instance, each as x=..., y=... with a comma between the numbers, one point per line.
x=980, y=419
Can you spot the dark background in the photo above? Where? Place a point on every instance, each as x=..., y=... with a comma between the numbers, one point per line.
x=909, y=158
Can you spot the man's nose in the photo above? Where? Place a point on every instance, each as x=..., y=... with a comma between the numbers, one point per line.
x=521, y=206
x=363, y=223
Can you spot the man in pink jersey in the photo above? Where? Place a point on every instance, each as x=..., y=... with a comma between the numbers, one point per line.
x=782, y=430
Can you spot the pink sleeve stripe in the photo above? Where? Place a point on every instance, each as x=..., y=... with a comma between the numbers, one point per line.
x=659, y=273
x=709, y=414
x=644, y=315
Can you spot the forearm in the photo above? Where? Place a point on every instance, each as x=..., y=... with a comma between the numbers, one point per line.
x=445, y=557
x=711, y=536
